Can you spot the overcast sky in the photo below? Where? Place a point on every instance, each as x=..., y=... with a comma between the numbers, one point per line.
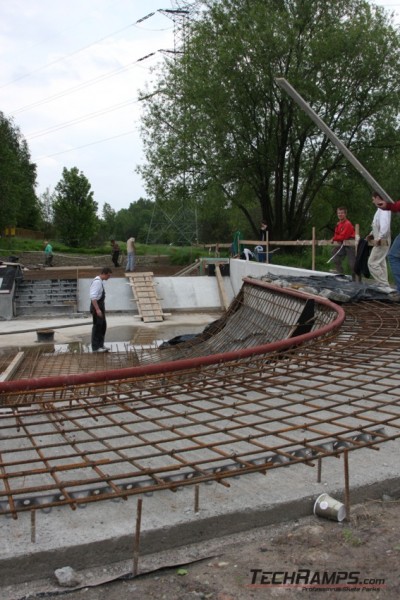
x=71, y=71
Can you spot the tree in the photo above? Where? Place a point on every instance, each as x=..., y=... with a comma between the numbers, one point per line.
x=109, y=215
x=75, y=211
x=218, y=119
x=106, y=225
x=46, y=201
x=135, y=220
x=18, y=201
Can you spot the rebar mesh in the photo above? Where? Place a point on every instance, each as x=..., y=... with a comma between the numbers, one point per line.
x=85, y=443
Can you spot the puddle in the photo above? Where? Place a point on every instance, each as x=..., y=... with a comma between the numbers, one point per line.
x=144, y=335
x=118, y=339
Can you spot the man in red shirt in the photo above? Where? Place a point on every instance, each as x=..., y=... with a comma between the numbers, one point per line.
x=394, y=252
x=344, y=230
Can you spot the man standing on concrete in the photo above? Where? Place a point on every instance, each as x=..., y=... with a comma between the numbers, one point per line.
x=130, y=249
x=394, y=252
x=344, y=231
x=380, y=235
x=98, y=310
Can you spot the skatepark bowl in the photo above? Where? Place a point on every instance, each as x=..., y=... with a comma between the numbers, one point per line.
x=283, y=378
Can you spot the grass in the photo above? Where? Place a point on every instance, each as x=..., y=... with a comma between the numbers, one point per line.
x=299, y=257
x=350, y=538
x=179, y=255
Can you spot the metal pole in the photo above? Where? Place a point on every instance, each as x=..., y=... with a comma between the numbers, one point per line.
x=313, y=249
x=137, y=537
x=285, y=85
x=346, y=484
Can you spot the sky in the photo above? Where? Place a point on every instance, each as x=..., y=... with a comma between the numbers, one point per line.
x=71, y=77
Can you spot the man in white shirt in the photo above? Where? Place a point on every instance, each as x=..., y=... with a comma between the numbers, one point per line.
x=380, y=235
x=98, y=310
x=130, y=249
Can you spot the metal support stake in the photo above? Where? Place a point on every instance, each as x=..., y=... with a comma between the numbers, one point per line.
x=137, y=537
x=33, y=526
x=196, y=497
x=319, y=471
x=346, y=484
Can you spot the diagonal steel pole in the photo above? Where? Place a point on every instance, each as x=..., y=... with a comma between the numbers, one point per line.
x=285, y=85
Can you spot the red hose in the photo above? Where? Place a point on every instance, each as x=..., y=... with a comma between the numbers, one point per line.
x=19, y=385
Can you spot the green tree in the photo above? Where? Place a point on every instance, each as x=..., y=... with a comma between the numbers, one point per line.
x=75, y=211
x=218, y=119
x=18, y=201
x=134, y=220
x=106, y=225
x=109, y=215
x=46, y=201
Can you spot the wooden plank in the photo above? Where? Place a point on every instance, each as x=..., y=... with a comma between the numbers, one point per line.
x=152, y=319
x=145, y=296
x=12, y=367
x=221, y=287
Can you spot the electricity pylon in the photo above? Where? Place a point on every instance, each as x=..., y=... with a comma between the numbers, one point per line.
x=179, y=222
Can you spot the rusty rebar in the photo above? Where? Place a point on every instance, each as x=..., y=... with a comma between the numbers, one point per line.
x=84, y=443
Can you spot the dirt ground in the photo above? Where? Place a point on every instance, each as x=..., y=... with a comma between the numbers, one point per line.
x=352, y=560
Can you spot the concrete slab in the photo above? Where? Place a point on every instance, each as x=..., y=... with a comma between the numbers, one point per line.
x=175, y=293
x=103, y=533
x=247, y=268
x=121, y=328
x=36, y=544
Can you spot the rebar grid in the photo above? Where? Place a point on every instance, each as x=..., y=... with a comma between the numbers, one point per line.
x=114, y=439
x=261, y=314
x=48, y=359
x=258, y=316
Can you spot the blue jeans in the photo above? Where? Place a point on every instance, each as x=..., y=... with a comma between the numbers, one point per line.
x=130, y=264
x=394, y=261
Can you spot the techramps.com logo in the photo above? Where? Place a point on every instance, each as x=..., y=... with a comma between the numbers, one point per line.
x=307, y=579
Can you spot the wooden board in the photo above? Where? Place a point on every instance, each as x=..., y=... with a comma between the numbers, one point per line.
x=145, y=296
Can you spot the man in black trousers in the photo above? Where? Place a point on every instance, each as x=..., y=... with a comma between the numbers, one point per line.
x=98, y=310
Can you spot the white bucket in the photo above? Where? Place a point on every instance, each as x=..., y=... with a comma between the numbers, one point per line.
x=329, y=508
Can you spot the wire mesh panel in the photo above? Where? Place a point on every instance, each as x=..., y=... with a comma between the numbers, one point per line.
x=82, y=443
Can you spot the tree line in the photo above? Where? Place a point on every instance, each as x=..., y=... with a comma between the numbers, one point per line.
x=225, y=143
x=69, y=213
x=218, y=130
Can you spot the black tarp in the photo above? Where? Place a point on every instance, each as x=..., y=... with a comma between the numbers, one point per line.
x=338, y=288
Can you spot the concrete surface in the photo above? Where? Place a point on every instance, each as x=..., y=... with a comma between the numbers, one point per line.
x=174, y=293
x=120, y=328
x=246, y=268
x=103, y=533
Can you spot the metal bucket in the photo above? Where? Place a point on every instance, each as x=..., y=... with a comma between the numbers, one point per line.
x=329, y=508
x=45, y=335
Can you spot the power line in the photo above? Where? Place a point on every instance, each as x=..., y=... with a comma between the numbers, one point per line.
x=81, y=85
x=62, y=58
x=80, y=119
x=113, y=137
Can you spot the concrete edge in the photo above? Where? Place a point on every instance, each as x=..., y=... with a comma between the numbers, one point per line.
x=41, y=564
